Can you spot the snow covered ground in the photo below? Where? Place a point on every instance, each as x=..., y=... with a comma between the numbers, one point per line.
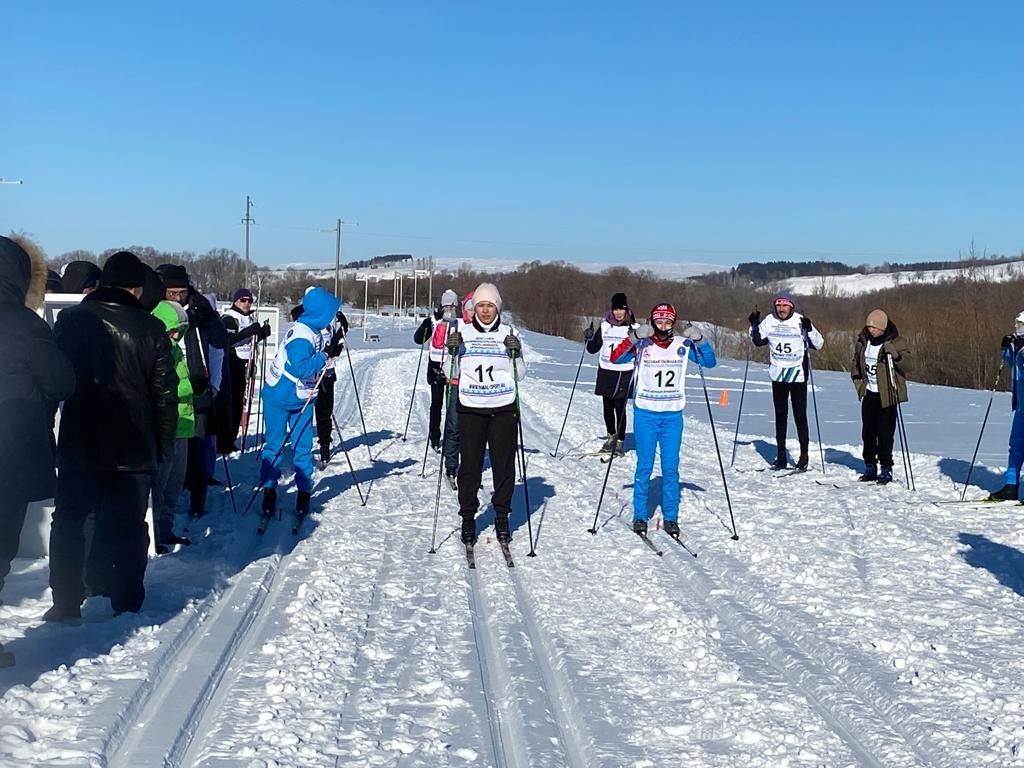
x=851, y=626
x=858, y=283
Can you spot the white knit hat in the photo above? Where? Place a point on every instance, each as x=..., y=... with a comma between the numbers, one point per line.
x=487, y=292
x=449, y=299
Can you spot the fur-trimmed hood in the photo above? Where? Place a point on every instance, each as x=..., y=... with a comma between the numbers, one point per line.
x=22, y=272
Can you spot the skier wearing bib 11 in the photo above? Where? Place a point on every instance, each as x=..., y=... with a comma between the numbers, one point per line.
x=291, y=384
x=659, y=395
x=788, y=335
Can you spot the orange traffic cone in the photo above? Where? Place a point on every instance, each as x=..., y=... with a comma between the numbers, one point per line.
x=724, y=399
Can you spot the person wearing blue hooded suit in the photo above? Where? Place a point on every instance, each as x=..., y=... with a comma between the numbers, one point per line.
x=289, y=390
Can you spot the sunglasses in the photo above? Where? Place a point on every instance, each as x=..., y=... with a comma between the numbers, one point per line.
x=245, y=301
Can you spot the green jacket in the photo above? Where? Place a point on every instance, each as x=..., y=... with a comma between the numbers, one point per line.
x=167, y=313
x=892, y=344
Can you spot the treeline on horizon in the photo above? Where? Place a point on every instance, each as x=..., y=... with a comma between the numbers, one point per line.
x=954, y=326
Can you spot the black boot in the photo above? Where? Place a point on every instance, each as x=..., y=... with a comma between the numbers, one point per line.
x=269, y=501
x=1007, y=493
x=640, y=527
x=781, y=460
x=885, y=476
x=468, y=530
x=58, y=612
x=801, y=462
x=302, y=503
x=501, y=530
x=672, y=528
x=325, y=453
x=870, y=473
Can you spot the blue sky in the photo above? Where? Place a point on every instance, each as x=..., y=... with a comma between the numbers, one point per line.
x=609, y=132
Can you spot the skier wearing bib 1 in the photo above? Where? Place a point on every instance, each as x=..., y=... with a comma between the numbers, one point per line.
x=613, y=379
x=659, y=395
x=290, y=386
x=487, y=408
x=788, y=335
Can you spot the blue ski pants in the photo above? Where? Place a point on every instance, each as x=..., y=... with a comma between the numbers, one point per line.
x=662, y=431
x=1016, y=458
x=278, y=422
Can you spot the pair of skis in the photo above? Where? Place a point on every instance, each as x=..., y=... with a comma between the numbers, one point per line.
x=505, y=552
x=266, y=516
x=660, y=552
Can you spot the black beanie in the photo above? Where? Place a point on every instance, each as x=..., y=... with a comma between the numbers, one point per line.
x=123, y=270
x=173, y=275
x=619, y=301
x=153, y=291
x=79, y=275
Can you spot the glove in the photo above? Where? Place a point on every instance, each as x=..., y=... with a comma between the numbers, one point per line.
x=643, y=331
x=264, y=331
x=343, y=321
x=1007, y=342
x=805, y=324
x=513, y=346
x=454, y=342
x=754, y=318
x=588, y=334
x=692, y=332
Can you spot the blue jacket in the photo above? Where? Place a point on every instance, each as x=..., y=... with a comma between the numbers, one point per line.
x=1015, y=361
x=300, y=358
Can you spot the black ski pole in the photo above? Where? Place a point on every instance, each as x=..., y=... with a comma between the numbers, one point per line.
x=908, y=469
x=231, y=486
x=984, y=421
x=261, y=413
x=440, y=467
x=714, y=433
x=414, y=383
x=522, y=452
x=600, y=499
x=579, y=367
x=355, y=388
x=739, y=413
x=814, y=398
x=351, y=469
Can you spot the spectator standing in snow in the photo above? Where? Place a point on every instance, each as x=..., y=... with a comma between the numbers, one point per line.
x=879, y=387
x=789, y=336
x=244, y=335
x=291, y=384
x=34, y=377
x=613, y=379
x=115, y=430
x=487, y=406
x=660, y=359
x=79, y=277
x=1013, y=356
x=447, y=312
x=170, y=475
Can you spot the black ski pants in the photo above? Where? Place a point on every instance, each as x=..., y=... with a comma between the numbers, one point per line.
x=120, y=544
x=436, y=406
x=12, y=519
x=323, y=409
x=615, y=416
x=782, y=393
x=196, y=476
x=878, y=429
x=498, y=433
x=238, y=392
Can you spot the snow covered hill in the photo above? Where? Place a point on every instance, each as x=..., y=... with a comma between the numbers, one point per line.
x=849, y=626
x=858, y=283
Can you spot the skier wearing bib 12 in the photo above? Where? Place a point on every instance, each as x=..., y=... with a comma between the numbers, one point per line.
x=487, y=408
x=613, y=379
x=788, y=335
x=1013, y=355
x=291, y=384
x=659, y=395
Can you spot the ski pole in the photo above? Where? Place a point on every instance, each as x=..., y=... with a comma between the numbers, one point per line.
x=739, y=413
x=260, y=413
x=351, y=469
x=554, y=453
x=522, y=451
x=249, y=368
x=440, y=467
x=714, y=433
x=415, y=381
x=814, y=398
x=231, y=486
x=287, y=438
x=355, y=387
x=908, y=468
x=600, y=499
x=984, y=421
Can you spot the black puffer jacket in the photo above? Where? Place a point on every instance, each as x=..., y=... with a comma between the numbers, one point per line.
x=34, y=376
x=124, y=412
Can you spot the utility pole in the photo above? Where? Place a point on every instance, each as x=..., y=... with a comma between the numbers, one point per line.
x=247, y=221
x=430, y=283
x=338, y=285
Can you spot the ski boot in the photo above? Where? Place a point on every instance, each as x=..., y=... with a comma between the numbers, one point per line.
x=502, y=532
x=870, y=474
x=640, y=527
x=325, y=454
x=671, y=528
x=453, y=482
x=781, y=461
x=885, y=476
x=1007, y=493
x=269, y=501
x=468, y=531
x=608, y=446
x=302, y=504
x=617, y=451
x=801, y=462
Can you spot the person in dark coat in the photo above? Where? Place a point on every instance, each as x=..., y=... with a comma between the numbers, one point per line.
x=114, y=431
x=34, y=377
x=80, y=277
x=613, y=379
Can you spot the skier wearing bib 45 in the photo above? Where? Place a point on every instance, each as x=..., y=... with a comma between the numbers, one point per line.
x=1013, y=356
x=788, y=336
x=613, y=379
x=487, y=408
x=879, y=387
x=290, y=385
x=659, y=395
